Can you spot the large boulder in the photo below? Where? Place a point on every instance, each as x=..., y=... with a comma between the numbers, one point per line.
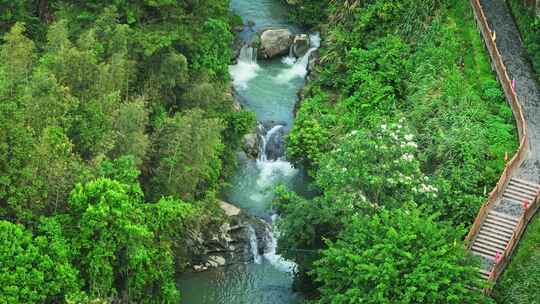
x=300, y=45
x=250, y=144
x=232, y=242
x=275, y=147
x=275, y=42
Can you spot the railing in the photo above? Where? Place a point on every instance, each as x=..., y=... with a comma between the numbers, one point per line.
x=517, y=159
x=518, y=232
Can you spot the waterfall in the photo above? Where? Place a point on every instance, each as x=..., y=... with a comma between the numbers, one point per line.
x=254, y=245
x=291, y=59
x=300, y=68
x=271, y=255
x=245, y=69
x=248, y=54
x=263, y=149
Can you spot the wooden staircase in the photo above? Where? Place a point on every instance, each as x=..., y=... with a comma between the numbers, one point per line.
x=498, y=228
x=520, y=191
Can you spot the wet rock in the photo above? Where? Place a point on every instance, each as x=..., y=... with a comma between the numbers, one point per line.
x=275, y=145
x=216, y=261
x=314, y=59
x=232, y=243
x=199, y=268
x=300, y=45
x=230, y=210
x=275, y=42
x=250, y=144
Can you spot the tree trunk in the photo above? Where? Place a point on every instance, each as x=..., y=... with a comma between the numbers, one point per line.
x=44, y=12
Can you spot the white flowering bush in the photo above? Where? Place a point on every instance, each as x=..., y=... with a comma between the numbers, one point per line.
x=380, y=168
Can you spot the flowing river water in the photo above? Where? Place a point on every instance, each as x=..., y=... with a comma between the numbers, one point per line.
x=270, y=90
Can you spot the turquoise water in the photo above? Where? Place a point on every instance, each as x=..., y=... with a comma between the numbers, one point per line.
x=270, y=90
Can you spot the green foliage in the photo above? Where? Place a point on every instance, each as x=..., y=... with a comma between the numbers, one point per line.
x=380, y=169
x=308, y=12
x=520, y=282
x=397, y=257
x=188, y=148
x=120, y=92
x=130, y=131
x=12, y=11
x=402, y=112
x=116, y=249
x=35, y=269
x=173, y=223
x=363, y=83
x=211, y=51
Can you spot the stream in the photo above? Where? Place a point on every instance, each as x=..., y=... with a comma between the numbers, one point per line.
x=268, y=88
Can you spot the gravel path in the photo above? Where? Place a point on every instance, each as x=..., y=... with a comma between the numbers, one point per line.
x=519, y=68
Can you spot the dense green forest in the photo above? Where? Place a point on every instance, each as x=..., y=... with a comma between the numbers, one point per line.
x=116, y=128
x=404, y=129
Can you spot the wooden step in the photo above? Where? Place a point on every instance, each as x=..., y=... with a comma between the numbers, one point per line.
x=513, y=201
x=487, y=249
x=488, y=238
x=525, y=182
x=484, y=273
x=497, y=228
x=504, y=216
x=509, y=195
x=502, y=220
x=504, y=235
x=513, y=188
x=495, y=245
x=524, y=187
x=518, y=193
x=489, y=257
x=488, y=235
x=498, y=222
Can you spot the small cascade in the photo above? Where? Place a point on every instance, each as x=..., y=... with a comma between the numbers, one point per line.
x=265, y=139
x=291, y=59
x=254, y=245
x=271, y=253
x=248, y=54
x=300, y=68
x=245, y=69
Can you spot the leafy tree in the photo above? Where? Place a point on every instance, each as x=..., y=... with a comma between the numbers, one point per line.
x=56, y=169
x=19, y=51
x=380, y=168
x=23, y=11
x=117, y=252
x=397, y=257
x=188, y=150
x=176, y=223
x=130, y=130
x=35, y=269
x=47, y=103
x=213, y=49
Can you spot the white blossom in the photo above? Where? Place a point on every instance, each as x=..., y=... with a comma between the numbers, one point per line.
x=407, y=156
x=412, y=144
